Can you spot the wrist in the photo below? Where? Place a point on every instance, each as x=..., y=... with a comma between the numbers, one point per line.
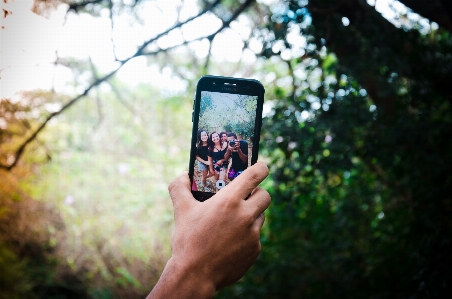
x=181, y=281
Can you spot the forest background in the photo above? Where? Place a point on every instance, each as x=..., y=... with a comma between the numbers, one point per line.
x=228, y=113
x=356, y=133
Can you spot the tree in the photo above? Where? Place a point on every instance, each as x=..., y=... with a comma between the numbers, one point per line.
x=143, y=50
x=231, y=113
x=360, y=191
x=48, y=262
x=439, y=11
x=357, y=138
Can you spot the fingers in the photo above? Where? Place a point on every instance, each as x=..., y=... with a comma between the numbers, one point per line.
x=260, y=221
x=259, y=200
x=245, y=183
x=180, y=192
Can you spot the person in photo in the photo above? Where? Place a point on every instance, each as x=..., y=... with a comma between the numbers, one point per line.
x=237, y=150
x=224, y=137
x=201, y=156
x=216, y=153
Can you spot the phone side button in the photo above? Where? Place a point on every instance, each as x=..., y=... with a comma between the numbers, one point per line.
x=192, y=115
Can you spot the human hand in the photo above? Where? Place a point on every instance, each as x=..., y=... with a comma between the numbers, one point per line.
x=221, y=235
x=236, y=146
x=216, y=241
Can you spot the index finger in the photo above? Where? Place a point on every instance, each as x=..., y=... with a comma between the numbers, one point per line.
x=246, y=182
x=180, y=193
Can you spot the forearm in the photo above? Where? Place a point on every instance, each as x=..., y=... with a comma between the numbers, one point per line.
x=216, y=241
x=210, y=163
x=227, y=155
x=242, y=156
x=178, y=281
x=201, y=160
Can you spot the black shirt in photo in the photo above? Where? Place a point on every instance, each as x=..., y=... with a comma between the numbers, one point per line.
x=237, y=163
x=202, y=152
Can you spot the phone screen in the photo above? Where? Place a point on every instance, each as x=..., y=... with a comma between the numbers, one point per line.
x=225, y=136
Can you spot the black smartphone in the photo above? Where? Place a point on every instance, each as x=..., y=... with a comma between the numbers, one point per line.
x=227, y=119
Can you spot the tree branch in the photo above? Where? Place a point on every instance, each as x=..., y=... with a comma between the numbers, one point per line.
x=112, y=24
x=20, y=150
x=439, y=11
x=232, y=18
x=206, y=64
x=140, y=52
x=294, y=86
x=78, y=5
x=325, y=10
x=210, y=37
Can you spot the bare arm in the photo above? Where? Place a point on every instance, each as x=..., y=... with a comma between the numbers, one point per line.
x=210, y=164
x=202, y=160
x=179, y=282
x=242, y=156
x=227, y=155
x=216, y=241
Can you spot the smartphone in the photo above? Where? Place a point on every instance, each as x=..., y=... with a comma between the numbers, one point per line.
x=227, y=119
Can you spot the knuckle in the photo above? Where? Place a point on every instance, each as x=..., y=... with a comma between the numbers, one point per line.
x=266, y=196
x=227, y=203
x=259, y=247
x=263, y=195
x=256, y=231
x=171, y=186
x=264, y=168
x=250, y=219
x=255, y=177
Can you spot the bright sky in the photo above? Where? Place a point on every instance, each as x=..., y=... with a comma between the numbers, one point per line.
x=26, y=52
x=28, y=48
x=29, y=43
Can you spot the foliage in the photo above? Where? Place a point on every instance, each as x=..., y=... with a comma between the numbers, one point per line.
x=361, y=199
x=28, y=263
x=231, y=113
x=111, y=188
x=356, y=126
x=111, y=236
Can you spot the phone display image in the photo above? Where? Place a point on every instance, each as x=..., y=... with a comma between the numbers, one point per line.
x=225, y=136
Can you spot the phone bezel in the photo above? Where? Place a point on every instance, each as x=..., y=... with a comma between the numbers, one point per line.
x=232, y=86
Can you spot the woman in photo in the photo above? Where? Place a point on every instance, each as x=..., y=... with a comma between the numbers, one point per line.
x=201, y=156
x=224, y=138
x=216, y=152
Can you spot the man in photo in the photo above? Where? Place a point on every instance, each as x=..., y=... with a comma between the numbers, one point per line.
x=224, y=136
x=238, y=151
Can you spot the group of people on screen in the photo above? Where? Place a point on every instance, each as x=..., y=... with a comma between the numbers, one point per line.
x=221, y=156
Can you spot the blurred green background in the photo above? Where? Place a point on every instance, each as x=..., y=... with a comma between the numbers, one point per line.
x=95, y=121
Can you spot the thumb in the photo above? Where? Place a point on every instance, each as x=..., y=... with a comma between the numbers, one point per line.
x=180, y=194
